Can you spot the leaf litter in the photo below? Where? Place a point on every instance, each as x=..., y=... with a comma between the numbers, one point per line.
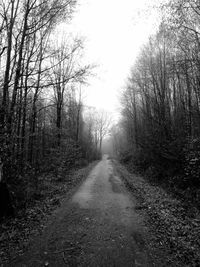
x=174, y=225
x=17, y=233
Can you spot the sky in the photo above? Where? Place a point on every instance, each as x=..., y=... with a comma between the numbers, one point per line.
x=113, y=34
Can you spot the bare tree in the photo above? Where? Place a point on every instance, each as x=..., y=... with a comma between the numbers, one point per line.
x=26, y=86
x=65, y=72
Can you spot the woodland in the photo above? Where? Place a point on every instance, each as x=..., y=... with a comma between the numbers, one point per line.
x=46, y=127
x=42, y=127
x=48, y=135
x=159, y=133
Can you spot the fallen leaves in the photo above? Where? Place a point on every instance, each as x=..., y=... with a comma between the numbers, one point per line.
x=175, y=227
x=16, y=233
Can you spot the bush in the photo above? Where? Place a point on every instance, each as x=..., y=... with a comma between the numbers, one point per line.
x=192, y=164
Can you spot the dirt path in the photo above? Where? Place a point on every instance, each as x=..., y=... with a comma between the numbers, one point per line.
x=98, y=226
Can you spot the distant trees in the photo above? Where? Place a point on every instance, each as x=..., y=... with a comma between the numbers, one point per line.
x=99, y=123
x=161, y=102
x=102, y=123
x=117, y=140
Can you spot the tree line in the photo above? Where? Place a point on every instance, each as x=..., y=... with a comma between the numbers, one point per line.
x=160, y=129
x=42, y=123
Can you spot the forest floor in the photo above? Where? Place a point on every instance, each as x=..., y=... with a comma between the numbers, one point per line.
x=96, y=226
x=114, y=218
x=174, y=222
x=16, y=233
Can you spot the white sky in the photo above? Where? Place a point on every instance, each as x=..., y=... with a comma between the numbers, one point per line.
x=114, y=31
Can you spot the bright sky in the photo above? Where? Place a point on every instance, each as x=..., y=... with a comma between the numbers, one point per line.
x=114, y=31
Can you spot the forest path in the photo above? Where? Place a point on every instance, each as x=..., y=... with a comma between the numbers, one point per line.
x=98, y=226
